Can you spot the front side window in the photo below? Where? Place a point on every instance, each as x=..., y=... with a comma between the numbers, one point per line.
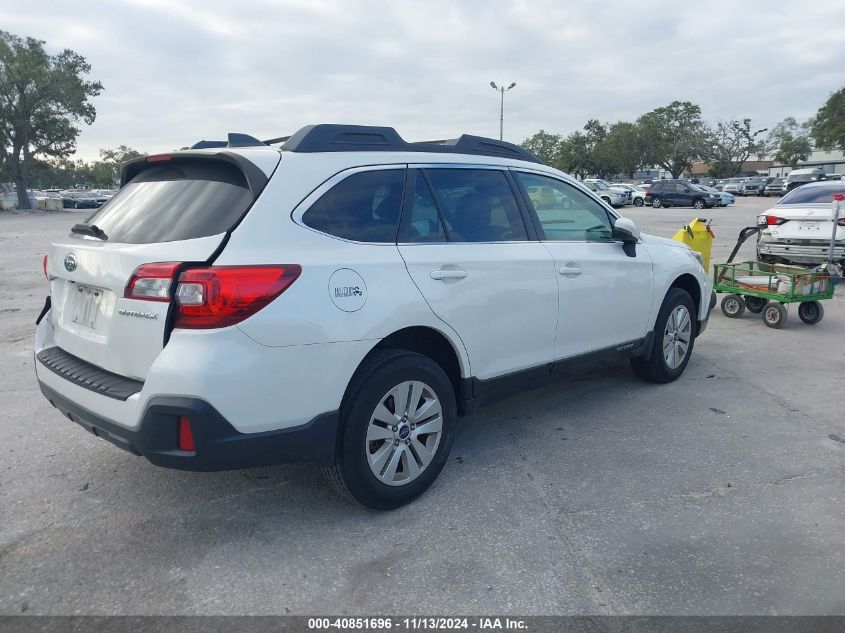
x=566, y=213
x=363, y=207
x=477, y=205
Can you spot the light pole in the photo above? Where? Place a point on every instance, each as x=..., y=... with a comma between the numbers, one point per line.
x=501, y=90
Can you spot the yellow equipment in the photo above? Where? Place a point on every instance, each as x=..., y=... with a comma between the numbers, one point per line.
x=699, y=237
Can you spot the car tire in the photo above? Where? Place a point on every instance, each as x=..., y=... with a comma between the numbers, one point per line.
x=755, y=304
x=366, y=444
x=638, y=202
x=665, y=366
x=657, y=203
x=698, y=203
x=607, y=200
x=810, y=312
x=774, y=314
x=733, y=306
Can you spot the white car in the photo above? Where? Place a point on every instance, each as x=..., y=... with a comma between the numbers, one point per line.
x=636, y=194
x=344, y=299
x=614, y=196
x=797, y=230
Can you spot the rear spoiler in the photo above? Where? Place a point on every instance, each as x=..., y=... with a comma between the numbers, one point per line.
x=256, y=179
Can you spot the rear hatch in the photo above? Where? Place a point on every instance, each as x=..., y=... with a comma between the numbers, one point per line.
x=172, y=208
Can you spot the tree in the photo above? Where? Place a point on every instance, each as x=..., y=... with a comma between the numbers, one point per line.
x=732, y=143
x=575, y=156
x=622, y=150
x=674, y=136
x=107, y=170
x=828, y=127
x=546, y=146
x=43, y=98
x=789, y=142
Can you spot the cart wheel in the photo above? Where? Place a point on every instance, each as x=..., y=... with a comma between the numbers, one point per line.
x=755, y=304
x=732, y=306
x=810, y=312
x=774, y=314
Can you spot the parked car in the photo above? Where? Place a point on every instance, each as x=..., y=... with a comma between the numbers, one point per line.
x=735, y=186
x=636, y=194
x=798, y=177
x=679, y=193
x=755, y=186
x=612, y=196
x=725, y=198
x=775, y=188
x=797, y=230
x=720, y=184
x=79, y=200
x=250, y=305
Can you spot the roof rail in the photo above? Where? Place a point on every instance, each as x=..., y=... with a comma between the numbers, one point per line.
x=329, y=137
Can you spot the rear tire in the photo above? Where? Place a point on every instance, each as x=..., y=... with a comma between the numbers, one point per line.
x=607, y=200
x=774, y=314
x=674, y=332
x=384, y=465
x=657, y=203
x=755, y=304
x=810, y=312
x=733, y=306
x=699, y=204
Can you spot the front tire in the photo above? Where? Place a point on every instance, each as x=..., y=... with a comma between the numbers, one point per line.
x=733, y=306
x=674, y=337
x=397, y=427
x=774, y=314
x=638, y=202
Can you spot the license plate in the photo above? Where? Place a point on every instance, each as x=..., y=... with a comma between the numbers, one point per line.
x=810, y=226
x=86, y=305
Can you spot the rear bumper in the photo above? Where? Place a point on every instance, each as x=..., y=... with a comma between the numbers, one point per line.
x=805, y=253
x=218, y=445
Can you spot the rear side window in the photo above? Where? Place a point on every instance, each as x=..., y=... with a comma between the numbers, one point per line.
x=422, y=222
x=477, y=205
x=175, y=202
x=363, y=207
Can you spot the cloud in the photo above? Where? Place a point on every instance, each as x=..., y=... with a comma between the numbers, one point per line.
x=178, y=71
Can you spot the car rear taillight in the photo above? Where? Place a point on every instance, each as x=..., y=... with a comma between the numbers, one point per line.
x=841, y=222
x=772, y=220
x=151, y=282
x=219, y=296
x=45, y=268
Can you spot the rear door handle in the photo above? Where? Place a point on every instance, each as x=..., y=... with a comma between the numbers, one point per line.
x=448, y=274
x=570, y=271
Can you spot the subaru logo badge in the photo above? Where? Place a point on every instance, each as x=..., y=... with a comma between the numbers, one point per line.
x=70, y=263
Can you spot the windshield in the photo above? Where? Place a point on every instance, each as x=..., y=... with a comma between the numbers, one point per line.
x=812, y=194
x=175, y=202
x=600, y=185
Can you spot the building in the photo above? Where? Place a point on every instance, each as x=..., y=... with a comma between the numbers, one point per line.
x=831, y=162
x=749, y=168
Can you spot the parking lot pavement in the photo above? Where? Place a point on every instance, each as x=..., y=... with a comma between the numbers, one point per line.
x=720, y=493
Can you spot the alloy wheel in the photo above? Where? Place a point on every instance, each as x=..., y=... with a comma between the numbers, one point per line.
x=676, y=337
x=404, y=433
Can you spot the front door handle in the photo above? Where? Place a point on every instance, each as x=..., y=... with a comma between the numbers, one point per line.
x=448, y=274
x=570, y=271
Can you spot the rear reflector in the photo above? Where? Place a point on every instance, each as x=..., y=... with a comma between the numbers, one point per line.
x=151, y=282
x=219, y=296
x=186, y=435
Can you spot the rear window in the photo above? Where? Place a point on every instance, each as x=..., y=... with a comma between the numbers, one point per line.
x=175, y=202
x=812, y=194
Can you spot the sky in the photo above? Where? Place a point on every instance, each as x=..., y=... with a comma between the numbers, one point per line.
x=177, y=71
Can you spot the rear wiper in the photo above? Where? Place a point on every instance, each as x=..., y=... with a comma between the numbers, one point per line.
x=90, y=229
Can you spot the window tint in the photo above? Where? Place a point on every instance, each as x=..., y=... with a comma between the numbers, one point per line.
x=363, y=207
x=175, y=202
x=813, y=195
x=478, y=205
x=566, y=213
x=422, y=222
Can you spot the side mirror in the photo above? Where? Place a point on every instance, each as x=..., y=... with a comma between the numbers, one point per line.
x=626, y=231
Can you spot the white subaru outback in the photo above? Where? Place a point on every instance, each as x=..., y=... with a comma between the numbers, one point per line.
x=343, y=298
